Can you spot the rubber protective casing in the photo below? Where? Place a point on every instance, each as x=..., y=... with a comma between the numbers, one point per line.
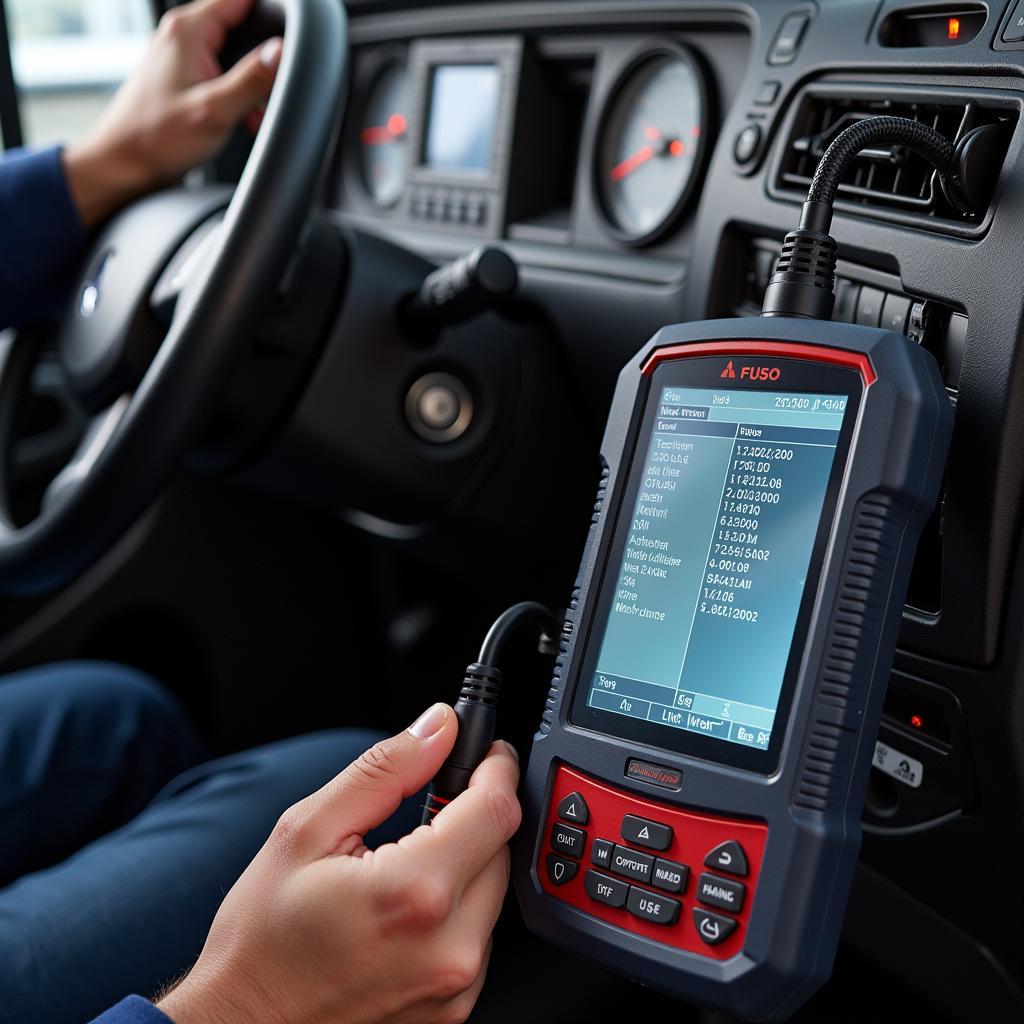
x=811, y=804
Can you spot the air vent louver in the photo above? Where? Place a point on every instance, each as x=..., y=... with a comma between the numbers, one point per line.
x=886, y=178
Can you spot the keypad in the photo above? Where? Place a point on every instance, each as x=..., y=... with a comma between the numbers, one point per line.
x=631, y=866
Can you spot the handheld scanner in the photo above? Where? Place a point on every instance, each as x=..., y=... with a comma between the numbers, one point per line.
x=693, y=795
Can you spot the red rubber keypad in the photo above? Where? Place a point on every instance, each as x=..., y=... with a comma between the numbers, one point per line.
x=694, y=836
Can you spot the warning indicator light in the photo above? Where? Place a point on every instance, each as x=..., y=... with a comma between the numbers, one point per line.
x=917, y=721
x=953, y=29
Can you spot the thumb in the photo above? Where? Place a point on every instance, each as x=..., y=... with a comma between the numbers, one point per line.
x=244, y=86
x=370, y=789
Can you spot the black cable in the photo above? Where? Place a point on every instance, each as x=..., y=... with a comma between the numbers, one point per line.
x=803, y=284
x=509, y=621
x=477, y=706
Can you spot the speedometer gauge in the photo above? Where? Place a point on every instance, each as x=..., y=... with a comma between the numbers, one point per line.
x=650, y=144
x=383, y=137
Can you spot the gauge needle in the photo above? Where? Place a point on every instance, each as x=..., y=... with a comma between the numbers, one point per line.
x=631, y=163
x=393, y=129
x=668, y=147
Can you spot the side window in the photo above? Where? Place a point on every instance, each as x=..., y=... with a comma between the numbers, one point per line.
x=69, y=56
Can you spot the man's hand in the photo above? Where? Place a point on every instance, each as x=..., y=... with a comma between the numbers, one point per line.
x=176, y=111
x=321, y=930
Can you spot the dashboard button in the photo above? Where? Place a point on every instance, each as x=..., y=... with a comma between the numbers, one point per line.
x=632, y=864
x=560, y=870
x=574, y=808
x=1014, y=31
x=895, y=311
x=767, y=94
x=869, y=306
x=747, y=143
x=652, y=907
x=847, y=297
x=723, y=893
x=609, y=891
x=566, y=839
x=728, y=857
x=787, y=40
x=712, y=928
x=643, y=832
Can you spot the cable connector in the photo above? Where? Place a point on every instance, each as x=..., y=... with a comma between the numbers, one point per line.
x=477, y=711
x=803, y=284
x=477, y=706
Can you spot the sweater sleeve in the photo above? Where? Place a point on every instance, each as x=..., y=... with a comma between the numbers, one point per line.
x=41, y=235
x=133, y=1010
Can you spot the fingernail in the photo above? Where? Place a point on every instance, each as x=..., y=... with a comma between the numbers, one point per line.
x=512, y=750
x=270, y=53
x=430, y=722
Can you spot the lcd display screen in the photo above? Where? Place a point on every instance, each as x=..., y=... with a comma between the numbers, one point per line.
x=710, y=570
x=463, y=112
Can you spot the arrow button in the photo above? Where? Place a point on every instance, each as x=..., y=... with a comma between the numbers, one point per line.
x=728, y=857
x=712, y=928
x=574, y=808
x=559, y=869
x=642, y=832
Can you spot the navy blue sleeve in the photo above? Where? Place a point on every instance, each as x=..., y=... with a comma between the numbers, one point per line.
x=40, y=235
x=133, y=1010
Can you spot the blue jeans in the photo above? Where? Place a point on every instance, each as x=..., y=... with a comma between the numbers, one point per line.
x=116, y=843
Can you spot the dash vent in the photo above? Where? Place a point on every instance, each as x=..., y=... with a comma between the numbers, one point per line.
x=889, y=178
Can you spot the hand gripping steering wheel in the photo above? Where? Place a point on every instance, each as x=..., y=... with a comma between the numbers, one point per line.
x=150, y=398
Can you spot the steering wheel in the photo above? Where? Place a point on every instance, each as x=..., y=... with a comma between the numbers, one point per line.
x=150, y=398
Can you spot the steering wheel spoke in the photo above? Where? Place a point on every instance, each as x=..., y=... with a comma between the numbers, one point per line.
x=95, y=438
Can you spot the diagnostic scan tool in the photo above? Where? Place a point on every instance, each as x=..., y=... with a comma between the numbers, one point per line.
x=693, y=795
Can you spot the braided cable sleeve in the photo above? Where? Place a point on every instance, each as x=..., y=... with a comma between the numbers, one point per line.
x=925, y=141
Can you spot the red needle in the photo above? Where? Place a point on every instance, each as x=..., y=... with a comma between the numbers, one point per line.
x=631, y=163
x=392, y=129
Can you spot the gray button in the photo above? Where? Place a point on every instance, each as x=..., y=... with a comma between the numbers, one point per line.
x=767, y=94
x=895, y=311
x=728, y=857
x=669, y=875
x=652, y=907
x=560, y=870
x=747, y=144
x=1014, y=31
x=632, y=864
x=712, y=928
x=566, y=839
x=869, y=306
x=723, y=893
x=601, y=853
x=609, y=891
x=788, y=38
x=643, y=832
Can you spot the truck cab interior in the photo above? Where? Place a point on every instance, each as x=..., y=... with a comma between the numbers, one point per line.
x=322, y=479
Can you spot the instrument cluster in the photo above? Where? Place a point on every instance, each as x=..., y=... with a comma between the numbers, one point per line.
x=505, y=137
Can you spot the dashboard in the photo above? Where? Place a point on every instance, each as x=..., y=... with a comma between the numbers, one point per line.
x=641, y=163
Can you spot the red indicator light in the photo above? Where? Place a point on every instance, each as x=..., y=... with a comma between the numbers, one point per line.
x=953, y=29
x=396, y=125
x=916, y=721
x=676, y=147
